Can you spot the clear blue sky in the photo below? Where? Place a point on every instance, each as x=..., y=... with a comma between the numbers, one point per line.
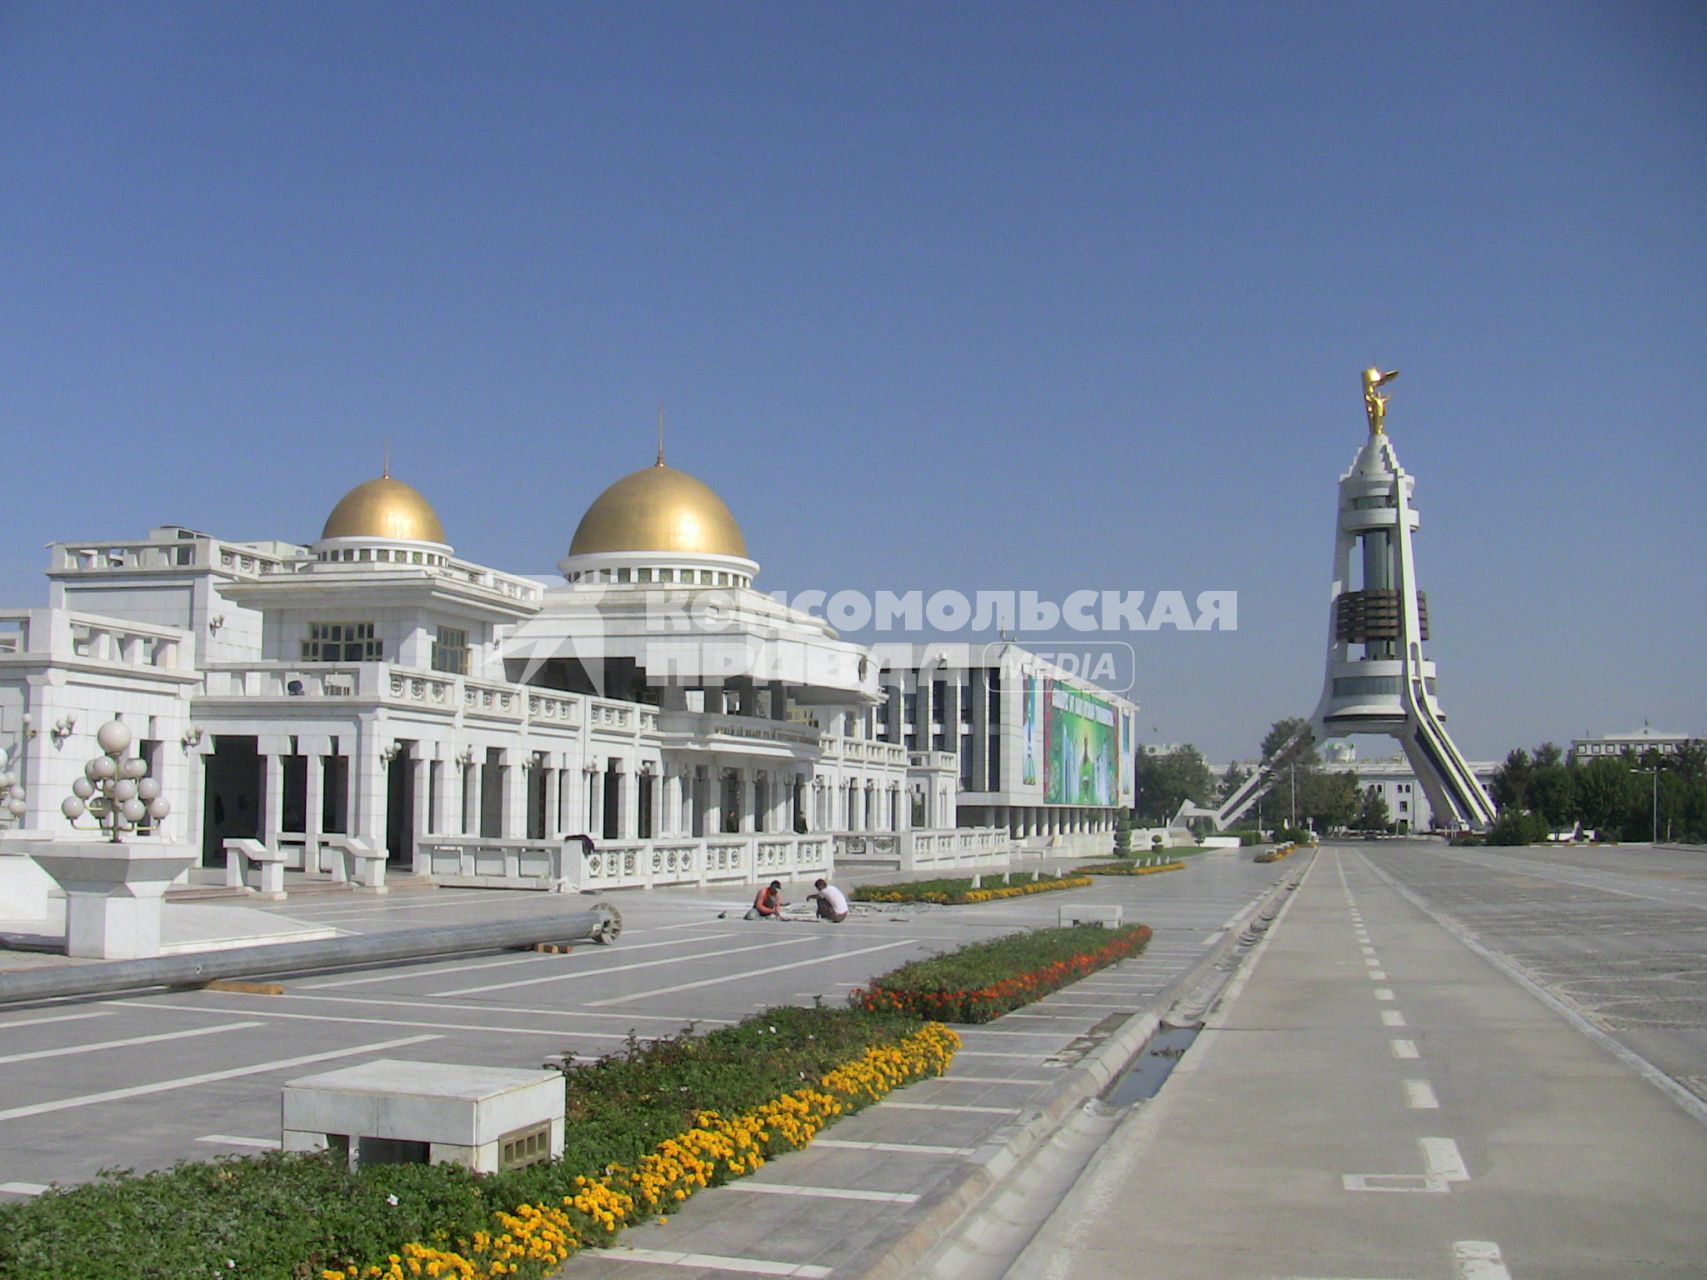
x=994, y=296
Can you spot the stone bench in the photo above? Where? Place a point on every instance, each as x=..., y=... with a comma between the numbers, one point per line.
x=362, y=862
x=1109, y=917
x=250, y=864
x=394, y=1111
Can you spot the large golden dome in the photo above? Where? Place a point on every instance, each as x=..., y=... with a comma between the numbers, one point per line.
x=384, y=508
x=659, y=509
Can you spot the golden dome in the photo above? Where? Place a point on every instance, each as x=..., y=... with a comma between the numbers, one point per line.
x=659, y=509
x=384, y=508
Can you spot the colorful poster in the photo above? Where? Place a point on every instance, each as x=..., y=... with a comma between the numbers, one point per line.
x=1032, y=728
x=1128, y=773
x=1079, y=747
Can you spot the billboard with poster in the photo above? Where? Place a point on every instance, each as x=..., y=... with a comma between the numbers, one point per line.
x=1081, y=746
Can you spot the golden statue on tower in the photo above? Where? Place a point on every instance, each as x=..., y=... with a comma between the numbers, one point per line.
x=1376, y=406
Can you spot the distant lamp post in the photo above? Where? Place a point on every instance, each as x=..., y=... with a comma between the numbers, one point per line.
x=115, y=789
x=1654, y=837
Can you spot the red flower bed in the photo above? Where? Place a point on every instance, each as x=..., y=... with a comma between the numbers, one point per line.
x=981, y=983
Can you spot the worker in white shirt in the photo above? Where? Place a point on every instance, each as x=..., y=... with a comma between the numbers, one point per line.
x=832, y=903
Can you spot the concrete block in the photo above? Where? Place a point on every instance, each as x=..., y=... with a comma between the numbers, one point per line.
x=393, y=1110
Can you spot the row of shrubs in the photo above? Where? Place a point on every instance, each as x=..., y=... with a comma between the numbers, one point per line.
x=1278, y=852
x=1129, y=869
x=962, y=891
x=646, y=1128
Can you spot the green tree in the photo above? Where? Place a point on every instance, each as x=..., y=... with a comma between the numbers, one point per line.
x=1552, y=792
x=1232, y=780
x=1326, y=801
x=1606, y=793
x=1372, y=812
x=1167, y=780
x=1510, y=784
x=1290, y=747
x=1123, y=834
x=1289, y=741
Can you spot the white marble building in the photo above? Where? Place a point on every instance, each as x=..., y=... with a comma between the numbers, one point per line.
x=985, y=715
x=475, y=724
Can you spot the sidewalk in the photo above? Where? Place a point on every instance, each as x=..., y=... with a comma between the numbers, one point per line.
x=1374, y=1100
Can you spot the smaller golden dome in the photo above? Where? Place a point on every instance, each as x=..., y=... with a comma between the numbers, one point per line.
x=659, y=509
x=384, y=508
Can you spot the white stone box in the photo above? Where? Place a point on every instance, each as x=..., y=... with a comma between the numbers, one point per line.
x=392, y=1110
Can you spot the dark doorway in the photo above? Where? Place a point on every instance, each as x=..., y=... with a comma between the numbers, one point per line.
x=335, y=794
x=647, y=785
x=233, y=784
x=400, y=808
x=613, y=805
x=293, y=816
x=492, y=794
x=536, y=798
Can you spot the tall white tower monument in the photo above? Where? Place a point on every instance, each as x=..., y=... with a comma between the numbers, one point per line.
x=1377, y=679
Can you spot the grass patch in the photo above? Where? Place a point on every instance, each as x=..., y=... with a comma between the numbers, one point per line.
x=962, y=892
x=981, y=982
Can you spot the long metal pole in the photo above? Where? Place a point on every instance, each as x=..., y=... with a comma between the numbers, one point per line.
x=601, y=924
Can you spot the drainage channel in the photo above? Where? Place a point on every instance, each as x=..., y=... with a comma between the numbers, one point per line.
x=1145, y=1077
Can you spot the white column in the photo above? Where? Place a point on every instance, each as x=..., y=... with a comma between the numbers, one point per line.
x=367, y=792
x=630, y=801
x=314, y=803
x=438, y=778
x=673, y=800
x=749, y=801
x=471, y=797
x=418, y=781
x=272, y=804
x=709, y=791
x=514, y=797
x=596, y=797
x=551, y=781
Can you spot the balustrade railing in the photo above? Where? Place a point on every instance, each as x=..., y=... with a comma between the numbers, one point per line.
x=566, y=867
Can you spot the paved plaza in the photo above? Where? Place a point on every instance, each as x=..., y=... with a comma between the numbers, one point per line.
x=153, y=1078
x=1414, y=1075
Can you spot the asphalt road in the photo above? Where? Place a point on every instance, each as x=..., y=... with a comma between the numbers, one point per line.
x=1380, y=1094
x=1617, y=932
